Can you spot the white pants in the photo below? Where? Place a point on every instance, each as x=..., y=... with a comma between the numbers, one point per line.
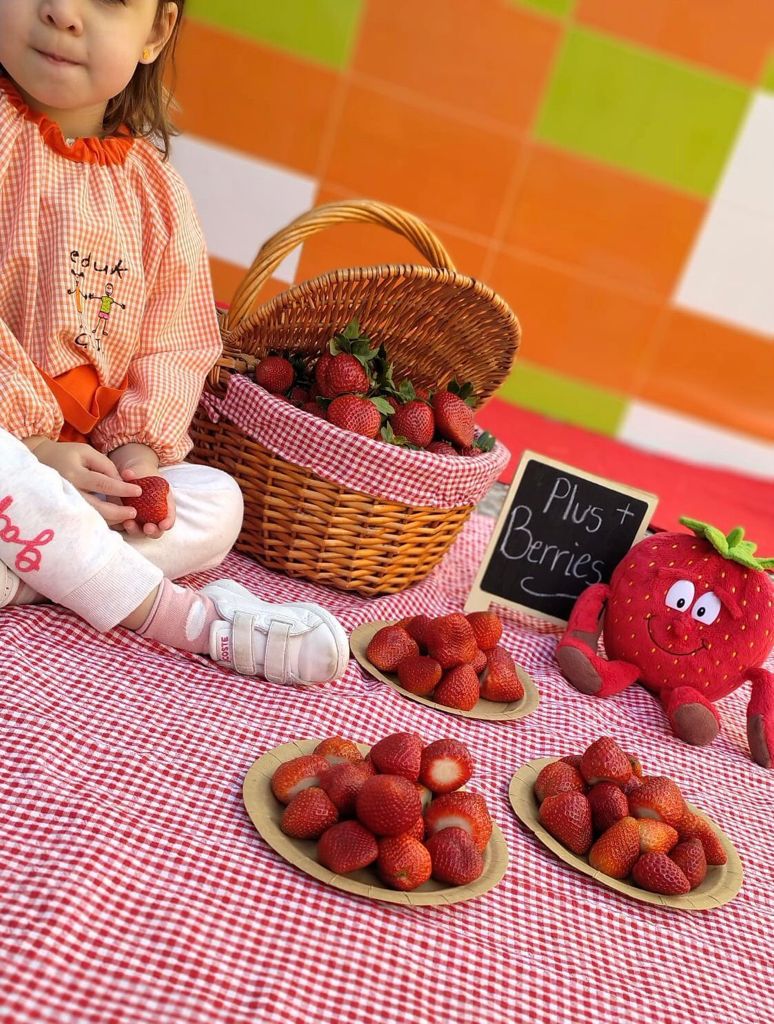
x=58, y=544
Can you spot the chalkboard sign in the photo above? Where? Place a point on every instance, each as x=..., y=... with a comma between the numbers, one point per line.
x=560, y=530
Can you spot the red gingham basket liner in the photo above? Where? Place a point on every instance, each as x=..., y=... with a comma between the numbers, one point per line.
x=401, y=475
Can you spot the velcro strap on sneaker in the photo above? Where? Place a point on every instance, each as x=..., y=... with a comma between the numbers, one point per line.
x=242, y=629
x=274, y=667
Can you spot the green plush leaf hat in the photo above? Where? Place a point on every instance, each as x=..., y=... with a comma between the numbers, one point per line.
x=733, y=546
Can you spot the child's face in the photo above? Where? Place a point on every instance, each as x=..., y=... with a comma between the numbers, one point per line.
x=73, y=55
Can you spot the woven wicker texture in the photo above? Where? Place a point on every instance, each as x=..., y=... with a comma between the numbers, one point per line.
x=436, y=325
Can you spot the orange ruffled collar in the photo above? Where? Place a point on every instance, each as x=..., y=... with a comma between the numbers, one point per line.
x=111, y=150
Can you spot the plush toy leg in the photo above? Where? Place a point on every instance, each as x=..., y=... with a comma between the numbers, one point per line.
x=760, y=717
x=577, y=650
x=693, y=719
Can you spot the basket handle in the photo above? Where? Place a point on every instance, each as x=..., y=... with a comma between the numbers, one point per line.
x=368, y=211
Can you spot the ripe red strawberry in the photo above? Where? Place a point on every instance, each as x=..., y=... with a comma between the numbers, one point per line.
x=558, y=777
x=151, y=505
x=315, y=409
x=342, y=784
x=398, y=754
x=388, y=804
x=608, y=805
x=321, y=373
x=347, y=846
x=417, y=627
x=463, y=810
x=359, y=415
x=335, y=750
x=658, y=797
x=404, y=862
x=417, y=830
x=632, y=783
x=308, y=814
x=298, y=396
x=419, y=674
x=657, y=873
x=458, y=688
x=604, y=761
x=655, y=836
x=455, y=857
x=689, y=856
x=471, y=451
x=451, y=640
x=479, y=662
x=275, y=373
x=573, y=759
x=445, y=766
x=297, y=774
x=567, y=816
x=389, y=646
x=617, y=849
x=453, y=418
x=692, y=826
x=415, y=422
x=345, y=375
x=441, y=448
x=487, y=629
x=500, y=680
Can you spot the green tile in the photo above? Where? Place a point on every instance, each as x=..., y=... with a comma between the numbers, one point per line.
x=636, y=109
x=563, y=398
x=767, y=81
x=322, y=30
x=558, y=7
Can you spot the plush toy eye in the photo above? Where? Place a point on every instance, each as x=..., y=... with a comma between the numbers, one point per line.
x=706, y=609
x=680, y=594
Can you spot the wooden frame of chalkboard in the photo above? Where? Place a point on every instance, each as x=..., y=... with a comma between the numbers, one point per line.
x=560, y=530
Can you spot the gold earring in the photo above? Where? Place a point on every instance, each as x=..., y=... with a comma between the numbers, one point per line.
x=146, y=55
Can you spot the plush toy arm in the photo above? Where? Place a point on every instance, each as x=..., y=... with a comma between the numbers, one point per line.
x=585, y=621
x=760, y=717
x=577, y=650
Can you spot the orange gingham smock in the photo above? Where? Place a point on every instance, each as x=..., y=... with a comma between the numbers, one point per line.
x=112, y=211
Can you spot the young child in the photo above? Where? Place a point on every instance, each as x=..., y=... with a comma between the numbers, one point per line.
x=107, y=331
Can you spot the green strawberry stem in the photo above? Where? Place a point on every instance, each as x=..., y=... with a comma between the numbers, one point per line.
x=733, y=547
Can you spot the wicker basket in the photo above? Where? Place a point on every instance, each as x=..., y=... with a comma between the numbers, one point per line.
x=436, y=325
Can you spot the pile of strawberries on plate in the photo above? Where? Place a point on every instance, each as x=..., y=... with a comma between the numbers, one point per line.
x=631, y=825
x=452, y=659
x=352, y=385
x=399, y=809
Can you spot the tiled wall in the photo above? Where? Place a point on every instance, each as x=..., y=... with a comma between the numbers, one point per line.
x=606, y=165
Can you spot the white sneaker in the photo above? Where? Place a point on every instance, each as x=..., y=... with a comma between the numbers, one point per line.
x=284, y=643
x=9, y=585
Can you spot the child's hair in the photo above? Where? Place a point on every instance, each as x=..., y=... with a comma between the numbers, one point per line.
x=143, y=106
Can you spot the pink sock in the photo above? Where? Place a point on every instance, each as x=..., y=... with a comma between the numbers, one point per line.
x=180, y=618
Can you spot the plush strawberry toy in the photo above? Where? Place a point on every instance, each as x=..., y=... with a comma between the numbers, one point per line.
x=691, y=618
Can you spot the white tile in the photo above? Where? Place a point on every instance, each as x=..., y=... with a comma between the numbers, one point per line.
x=241, y=200
x=668, y=433
x=748, y=178
x=730, y=273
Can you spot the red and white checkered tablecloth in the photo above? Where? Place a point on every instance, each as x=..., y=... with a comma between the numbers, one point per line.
x=136, y=891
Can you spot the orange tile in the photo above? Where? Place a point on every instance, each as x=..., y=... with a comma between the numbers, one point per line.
x=362, y=245
x=576, y=328
x=252, y=98
x=731, y=36
x=444, y=169
x=603, y=220
x=714, y=371
x=488, y=59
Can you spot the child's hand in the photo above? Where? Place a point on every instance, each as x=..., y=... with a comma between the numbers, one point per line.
x=154, y=530
x=93, y=475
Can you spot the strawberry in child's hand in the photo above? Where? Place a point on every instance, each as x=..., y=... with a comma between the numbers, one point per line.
x=458, y=688
x=460, y=810
x=689, y=856
x=657, y=873
x=398, y=754
x=453, y=418
x=151, y=505
x=389, y=646
x=617, y=849
x=558, y=777
x=276, y=374
x=404, y=862
x=419, y=674
x=567, y=816
x=347, y=846
x=388, y=804
x=308, y=814
x=445, y=766
x=455, y=857
x=604, y=761
x=297, y=774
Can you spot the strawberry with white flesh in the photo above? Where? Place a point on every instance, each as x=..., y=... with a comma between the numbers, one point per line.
x=388, y=804
x=297, y=774
x=336, y=750
x=455, y=858
x=404, y=862
x=604, y=761
x=689, y=856
x=658, y=797
x=558, y=777
x=464, y=810
x=567, y=816
x=398, y=754
x=458, y=688
x=691, y=617
x=445, y=766
x=657, y=873
x=347, y=846
x=308, y=814
x=389, y=646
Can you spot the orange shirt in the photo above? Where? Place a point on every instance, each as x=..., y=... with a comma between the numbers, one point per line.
x=102, y=264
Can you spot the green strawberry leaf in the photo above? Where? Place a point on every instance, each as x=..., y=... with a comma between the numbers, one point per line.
x=382, y=405
x=733, y=547
x=406, y=391
x=485, y=441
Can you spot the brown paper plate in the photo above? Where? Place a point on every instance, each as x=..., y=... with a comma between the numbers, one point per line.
x=266, y=812
x=495, y=711
x=721, y=884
